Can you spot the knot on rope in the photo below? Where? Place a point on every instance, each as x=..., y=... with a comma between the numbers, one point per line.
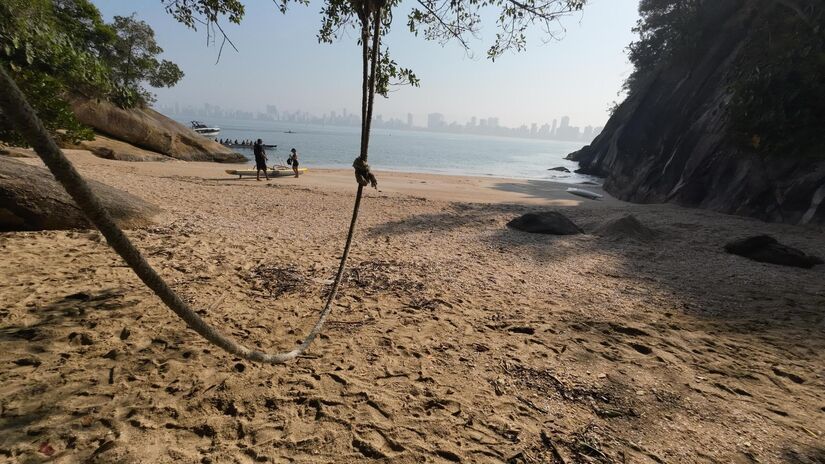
x=362, y=173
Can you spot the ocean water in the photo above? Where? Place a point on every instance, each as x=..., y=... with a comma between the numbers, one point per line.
x=409, y=151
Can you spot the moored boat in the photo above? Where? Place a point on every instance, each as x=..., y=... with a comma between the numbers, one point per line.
x=203, y=129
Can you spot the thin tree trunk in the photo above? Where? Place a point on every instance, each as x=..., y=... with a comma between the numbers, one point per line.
x=376, y=43
x=365, y=36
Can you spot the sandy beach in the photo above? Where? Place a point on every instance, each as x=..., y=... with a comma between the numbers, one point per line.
x=454, y=338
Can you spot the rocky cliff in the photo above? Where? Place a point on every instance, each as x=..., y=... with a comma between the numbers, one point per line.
x=147, y=129
x=670, y=140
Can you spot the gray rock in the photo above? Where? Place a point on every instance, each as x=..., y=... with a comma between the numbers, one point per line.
x=547, y=222
x=146, y=128
x=672, y=141
x=31, y=199
x=766, y=249
x=560, y=169
x=107, y=148
x=17, y=152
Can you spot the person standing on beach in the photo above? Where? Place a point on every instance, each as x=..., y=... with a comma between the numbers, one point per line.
x=293, y=160
x=260, y=159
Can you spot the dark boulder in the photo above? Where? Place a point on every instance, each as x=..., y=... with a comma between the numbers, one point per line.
x=766, y=249
x=548, y=222
x=31, y=199
x=560, y=169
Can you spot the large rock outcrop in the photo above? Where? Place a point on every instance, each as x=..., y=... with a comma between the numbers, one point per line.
x=31, y=199
x=146, y=128
x=104, y=147
x=670, y=142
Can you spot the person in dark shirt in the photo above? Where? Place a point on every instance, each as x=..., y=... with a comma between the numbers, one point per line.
x=260, y=159
x=293, y=160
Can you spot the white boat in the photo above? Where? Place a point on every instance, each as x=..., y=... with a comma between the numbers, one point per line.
x=203, y=129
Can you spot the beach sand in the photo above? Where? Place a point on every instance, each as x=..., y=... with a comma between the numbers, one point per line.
x=454, y=338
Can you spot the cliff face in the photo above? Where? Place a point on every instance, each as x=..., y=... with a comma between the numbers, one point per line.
x=150, y=130
x=670, y=142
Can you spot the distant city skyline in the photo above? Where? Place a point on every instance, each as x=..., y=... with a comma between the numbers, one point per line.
x=279, y=60
x=557, y=129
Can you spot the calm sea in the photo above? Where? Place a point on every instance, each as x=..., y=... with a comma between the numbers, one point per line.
x=409, y=151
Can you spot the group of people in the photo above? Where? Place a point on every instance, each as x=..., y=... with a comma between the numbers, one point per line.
x=261, y=159
x=246, y=143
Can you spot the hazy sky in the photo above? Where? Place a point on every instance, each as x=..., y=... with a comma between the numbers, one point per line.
x=280, y=62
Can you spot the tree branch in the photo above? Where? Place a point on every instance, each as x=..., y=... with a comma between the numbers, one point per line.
x=449, y=28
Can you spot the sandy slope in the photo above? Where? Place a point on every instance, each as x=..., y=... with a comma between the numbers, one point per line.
x=454, y=339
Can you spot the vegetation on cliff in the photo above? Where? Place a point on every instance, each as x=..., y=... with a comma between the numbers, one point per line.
x=776, y=86
x=779, y=90
x=56, y=47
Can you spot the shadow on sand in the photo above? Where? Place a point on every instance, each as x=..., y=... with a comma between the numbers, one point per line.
x=555, y=192
x=31, y=404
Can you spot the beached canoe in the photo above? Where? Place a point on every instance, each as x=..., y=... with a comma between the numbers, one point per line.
x=585, y=193
x=272, y=172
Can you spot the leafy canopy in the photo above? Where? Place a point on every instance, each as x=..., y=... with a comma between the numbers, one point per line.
x=668, y=30
x=778, y=106
x=132, y=59
x=56, y=48
x=437, y=20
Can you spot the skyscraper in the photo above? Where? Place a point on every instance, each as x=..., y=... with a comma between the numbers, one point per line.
x=435, y=121
x=587, y=136
x=545, y=130
x=409, y=120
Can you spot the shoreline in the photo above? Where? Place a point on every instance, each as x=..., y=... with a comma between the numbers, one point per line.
x=434, y=186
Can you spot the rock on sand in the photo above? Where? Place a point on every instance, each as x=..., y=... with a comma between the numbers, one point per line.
x=766, y=249
x=31, y=199
x=547, y=222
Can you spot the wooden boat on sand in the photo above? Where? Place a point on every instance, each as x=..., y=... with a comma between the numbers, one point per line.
x=275, y=171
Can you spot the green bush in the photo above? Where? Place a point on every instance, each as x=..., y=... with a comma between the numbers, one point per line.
x=779, y=86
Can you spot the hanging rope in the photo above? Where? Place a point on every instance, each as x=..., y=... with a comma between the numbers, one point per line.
x=17, y=109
